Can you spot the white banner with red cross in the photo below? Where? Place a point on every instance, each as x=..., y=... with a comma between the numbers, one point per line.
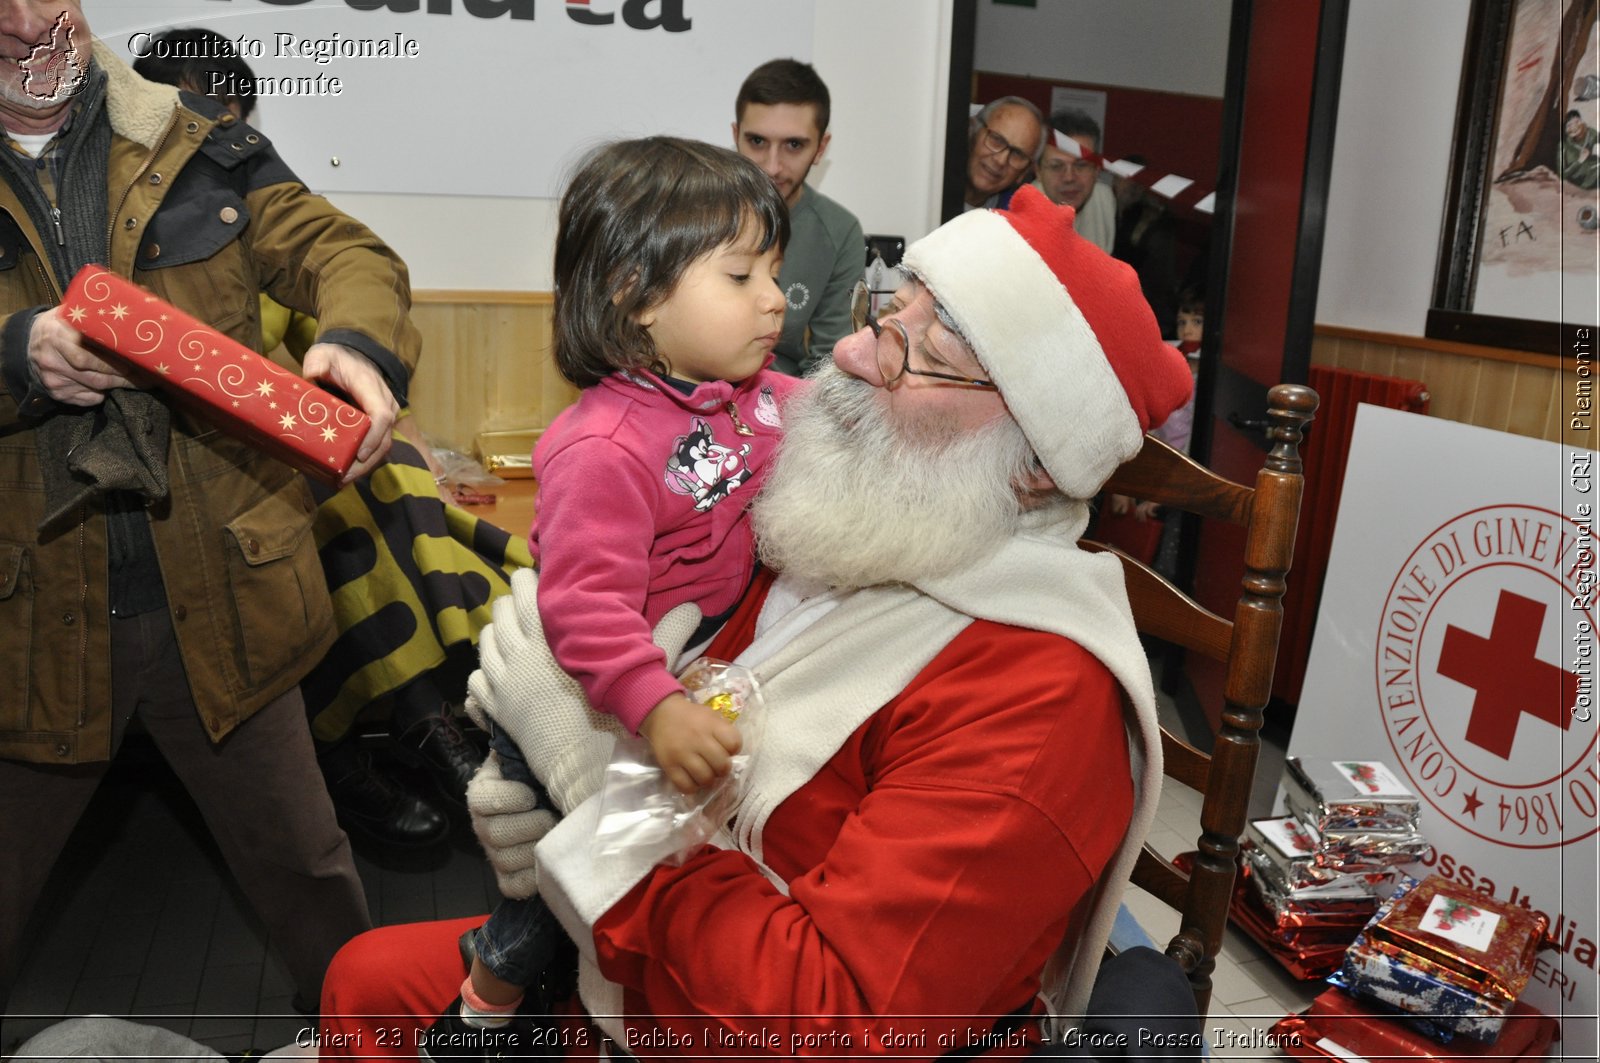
x=1455, y=642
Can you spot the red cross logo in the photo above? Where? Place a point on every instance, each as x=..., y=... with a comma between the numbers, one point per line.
x=1507, y=674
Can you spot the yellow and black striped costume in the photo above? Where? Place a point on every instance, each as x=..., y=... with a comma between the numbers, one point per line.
x=411, y=577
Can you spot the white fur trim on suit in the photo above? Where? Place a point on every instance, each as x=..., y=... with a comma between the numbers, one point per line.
x=1047, y=361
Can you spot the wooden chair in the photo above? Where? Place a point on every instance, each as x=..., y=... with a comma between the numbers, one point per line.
x=1248, y=647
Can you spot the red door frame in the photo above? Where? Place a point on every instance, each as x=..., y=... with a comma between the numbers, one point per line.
x=1280, y=104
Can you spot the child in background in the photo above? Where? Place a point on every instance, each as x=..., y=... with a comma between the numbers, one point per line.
x=1176, y=431
x=667, y=309
x=1178, y=428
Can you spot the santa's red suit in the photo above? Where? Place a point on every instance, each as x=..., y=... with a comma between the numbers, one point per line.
x=954, y=777
x=905, y=905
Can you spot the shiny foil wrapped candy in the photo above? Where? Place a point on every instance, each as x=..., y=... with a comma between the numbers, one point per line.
x=1299, y=862
x=1361, y=796
x=1356, y=851
x=1280, y=889
x=1307, y=937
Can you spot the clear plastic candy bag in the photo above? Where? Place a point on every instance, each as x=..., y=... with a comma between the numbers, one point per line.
x=644, y=814
x=464, y=470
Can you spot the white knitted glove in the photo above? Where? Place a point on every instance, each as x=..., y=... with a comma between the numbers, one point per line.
x=543, y=709
x=508, y=821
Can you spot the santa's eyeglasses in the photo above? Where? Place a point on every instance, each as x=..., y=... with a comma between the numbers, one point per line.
x=894, y=345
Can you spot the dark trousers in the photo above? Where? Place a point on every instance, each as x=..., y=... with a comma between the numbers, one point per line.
x=520, y=939
x=259, y=790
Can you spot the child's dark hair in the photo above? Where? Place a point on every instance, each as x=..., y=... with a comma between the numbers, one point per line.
x=637, y=214
x=1192, y=301
x=201, y=61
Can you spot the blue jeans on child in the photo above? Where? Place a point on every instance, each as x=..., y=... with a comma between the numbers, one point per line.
x=520, y=939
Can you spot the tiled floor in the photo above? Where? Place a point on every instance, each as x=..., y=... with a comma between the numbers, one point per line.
x=141, y=919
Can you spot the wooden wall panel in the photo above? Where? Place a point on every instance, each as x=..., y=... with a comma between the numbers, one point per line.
x=1491, y=406
x=1453, y=382
x=485, y=364
x=1510, y=391
x=1531, y=399
x=486, y=367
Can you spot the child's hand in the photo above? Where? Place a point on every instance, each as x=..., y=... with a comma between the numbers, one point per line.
x=1146, y=511
x=693, y=744
x=1119, y=505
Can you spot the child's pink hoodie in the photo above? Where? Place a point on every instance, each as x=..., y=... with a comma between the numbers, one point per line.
x=642, y=506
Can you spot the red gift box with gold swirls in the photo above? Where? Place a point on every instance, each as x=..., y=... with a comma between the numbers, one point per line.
x=233, y=387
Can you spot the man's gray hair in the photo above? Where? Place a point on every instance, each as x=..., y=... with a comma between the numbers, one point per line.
x=1012, y=101
x=1070, y=121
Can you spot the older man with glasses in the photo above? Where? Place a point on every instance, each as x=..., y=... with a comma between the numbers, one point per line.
x=1005, y=140
x=1072, y=177
x=960, y=757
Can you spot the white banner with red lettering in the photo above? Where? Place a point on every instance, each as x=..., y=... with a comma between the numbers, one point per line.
x=1455, y=642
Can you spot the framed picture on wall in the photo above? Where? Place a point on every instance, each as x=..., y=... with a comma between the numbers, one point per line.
x=1518, y=258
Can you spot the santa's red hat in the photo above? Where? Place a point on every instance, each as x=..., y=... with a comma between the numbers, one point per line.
x=1061, y=328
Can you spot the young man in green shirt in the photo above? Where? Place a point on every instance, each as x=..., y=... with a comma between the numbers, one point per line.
x=781, y=124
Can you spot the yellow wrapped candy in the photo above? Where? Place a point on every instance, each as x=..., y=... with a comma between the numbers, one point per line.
x=723, y=705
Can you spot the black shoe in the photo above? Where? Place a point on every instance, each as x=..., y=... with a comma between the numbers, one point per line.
x=448, y=754
x=450, y=1038
x=372, y=805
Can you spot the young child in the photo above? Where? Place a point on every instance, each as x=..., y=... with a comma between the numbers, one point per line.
x=1177, y=429
x=1191, y=328
x=667, y=310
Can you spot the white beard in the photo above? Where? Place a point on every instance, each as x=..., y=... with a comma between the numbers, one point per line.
x=855, y=499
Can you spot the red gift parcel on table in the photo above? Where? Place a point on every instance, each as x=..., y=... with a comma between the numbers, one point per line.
x=248, y=396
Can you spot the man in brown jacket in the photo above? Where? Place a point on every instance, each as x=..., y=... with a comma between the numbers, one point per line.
x=150, y=564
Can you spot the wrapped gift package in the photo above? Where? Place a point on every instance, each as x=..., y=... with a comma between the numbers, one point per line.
x=1306, y=953
x=1357, y=851
x=1348, y=795
x=1440, y=1034
x=1441, y=950
x=1293, y=858
x=1309, y=881
x=1299, y=880
x=1307, y=937
x=1480, y=941
x=1291, y=847
x=1339, y=1026
x=1449, y=934
x=1362, y=817
x=215, y=377
x=1445, y=1004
